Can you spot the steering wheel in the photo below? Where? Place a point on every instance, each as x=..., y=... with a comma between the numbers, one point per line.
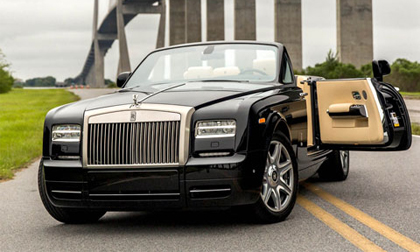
x=253, y=70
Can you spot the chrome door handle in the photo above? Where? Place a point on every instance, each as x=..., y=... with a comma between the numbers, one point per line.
x=303, y=95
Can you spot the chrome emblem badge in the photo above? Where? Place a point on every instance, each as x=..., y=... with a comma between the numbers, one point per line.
x=135, y=101
x=133, y=116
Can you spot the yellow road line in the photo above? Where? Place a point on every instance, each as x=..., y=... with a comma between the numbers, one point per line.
x=366, y=219
x=341, y=228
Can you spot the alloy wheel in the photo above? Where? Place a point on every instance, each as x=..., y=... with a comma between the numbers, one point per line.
x=278, y=180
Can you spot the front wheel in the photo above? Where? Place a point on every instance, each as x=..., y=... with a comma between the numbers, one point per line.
x=280, y=182
x=66, y=215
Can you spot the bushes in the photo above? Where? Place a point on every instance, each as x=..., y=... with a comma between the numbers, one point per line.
x=48, y=81
x=6, y=79
x=331, y=68
x=404, y=73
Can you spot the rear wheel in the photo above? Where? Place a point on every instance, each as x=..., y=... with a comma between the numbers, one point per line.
x=66, y=215
x=280, y=182
x=336, y=167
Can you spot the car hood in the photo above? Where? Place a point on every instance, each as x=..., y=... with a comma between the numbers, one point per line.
x=183, y=97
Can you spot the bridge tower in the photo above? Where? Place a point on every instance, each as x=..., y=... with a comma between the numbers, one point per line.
x=95, y=76
x=354, y=31
x=215, y=20
x=245, y=20
x=112, y=28
x=184, y=21
x=124, y=61
x=288, y=28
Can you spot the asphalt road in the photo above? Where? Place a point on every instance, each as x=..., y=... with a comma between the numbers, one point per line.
x=384, y=186
x=413, y=106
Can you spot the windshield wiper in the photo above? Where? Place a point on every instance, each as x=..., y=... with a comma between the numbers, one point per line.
x=160, y=91
x=131, y=90
x=218, y=80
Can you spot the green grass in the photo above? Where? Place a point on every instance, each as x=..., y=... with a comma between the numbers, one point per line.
x=411, y=95
x=415, y=129
x=22, y=114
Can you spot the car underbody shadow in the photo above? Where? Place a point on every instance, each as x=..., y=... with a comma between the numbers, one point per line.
x=179, y=222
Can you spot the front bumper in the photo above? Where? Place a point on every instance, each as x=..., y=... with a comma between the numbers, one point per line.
x=201, y=183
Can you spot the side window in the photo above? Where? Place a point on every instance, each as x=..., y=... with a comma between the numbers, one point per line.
x=287, y=70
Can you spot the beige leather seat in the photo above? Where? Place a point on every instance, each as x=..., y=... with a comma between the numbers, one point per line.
x=268, y=66
x=226, y=71
x=198, y=72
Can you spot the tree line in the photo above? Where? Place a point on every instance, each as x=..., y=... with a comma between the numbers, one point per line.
x=48, y=81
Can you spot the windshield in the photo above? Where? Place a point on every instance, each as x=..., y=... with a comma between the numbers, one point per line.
x=219, y=62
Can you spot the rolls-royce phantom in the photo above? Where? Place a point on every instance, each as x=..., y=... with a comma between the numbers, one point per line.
x=213, y=125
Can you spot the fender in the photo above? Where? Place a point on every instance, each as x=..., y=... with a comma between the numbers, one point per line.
x=260, y=133
x=276, y=122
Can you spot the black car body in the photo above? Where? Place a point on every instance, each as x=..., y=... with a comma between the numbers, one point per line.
x=140, y=148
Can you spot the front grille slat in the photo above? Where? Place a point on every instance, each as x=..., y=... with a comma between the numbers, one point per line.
x=95, y=144
x=133, y=143
x=111, y=147
x=168, y=152
x=117, y=148
x=90, y=146
x=100, y=144
x=148, y=151
x=152, y=140
x=108, y=143
x=165, y=127
x=144, y=143
x=132, y=139
x=121, y=147
x=141, y=155
x=108, y=139
x=176, y=140
x=160, y=142
x=172, y=141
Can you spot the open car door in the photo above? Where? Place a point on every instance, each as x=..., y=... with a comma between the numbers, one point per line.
x=356, y=114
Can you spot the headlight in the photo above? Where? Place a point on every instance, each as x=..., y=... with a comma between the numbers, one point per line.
x=215, y=128
x=66, y=133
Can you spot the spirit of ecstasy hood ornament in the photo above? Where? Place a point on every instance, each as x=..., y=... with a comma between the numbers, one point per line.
x=136, y=102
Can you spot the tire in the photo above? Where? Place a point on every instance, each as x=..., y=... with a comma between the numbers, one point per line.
x=336, y=167
x=65, y=215
x=280, y=182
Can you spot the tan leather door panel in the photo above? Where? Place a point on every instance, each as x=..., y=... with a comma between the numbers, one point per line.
x=336, y=97
x=307, y=89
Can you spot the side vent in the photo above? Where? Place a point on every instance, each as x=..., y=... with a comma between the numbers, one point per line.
x=209, y=192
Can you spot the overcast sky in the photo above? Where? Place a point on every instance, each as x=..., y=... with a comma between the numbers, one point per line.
x=52, y=37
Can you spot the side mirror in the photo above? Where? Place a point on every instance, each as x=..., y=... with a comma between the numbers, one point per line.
x=122, y=78
x=380, y=68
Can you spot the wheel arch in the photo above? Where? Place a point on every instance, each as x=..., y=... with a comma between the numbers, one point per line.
x=281, y=126
x=276, y=123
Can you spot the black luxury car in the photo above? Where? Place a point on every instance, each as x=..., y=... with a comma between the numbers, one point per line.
x=213, y=125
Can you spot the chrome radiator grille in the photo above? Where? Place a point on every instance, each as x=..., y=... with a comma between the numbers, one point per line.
x=133, y=143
